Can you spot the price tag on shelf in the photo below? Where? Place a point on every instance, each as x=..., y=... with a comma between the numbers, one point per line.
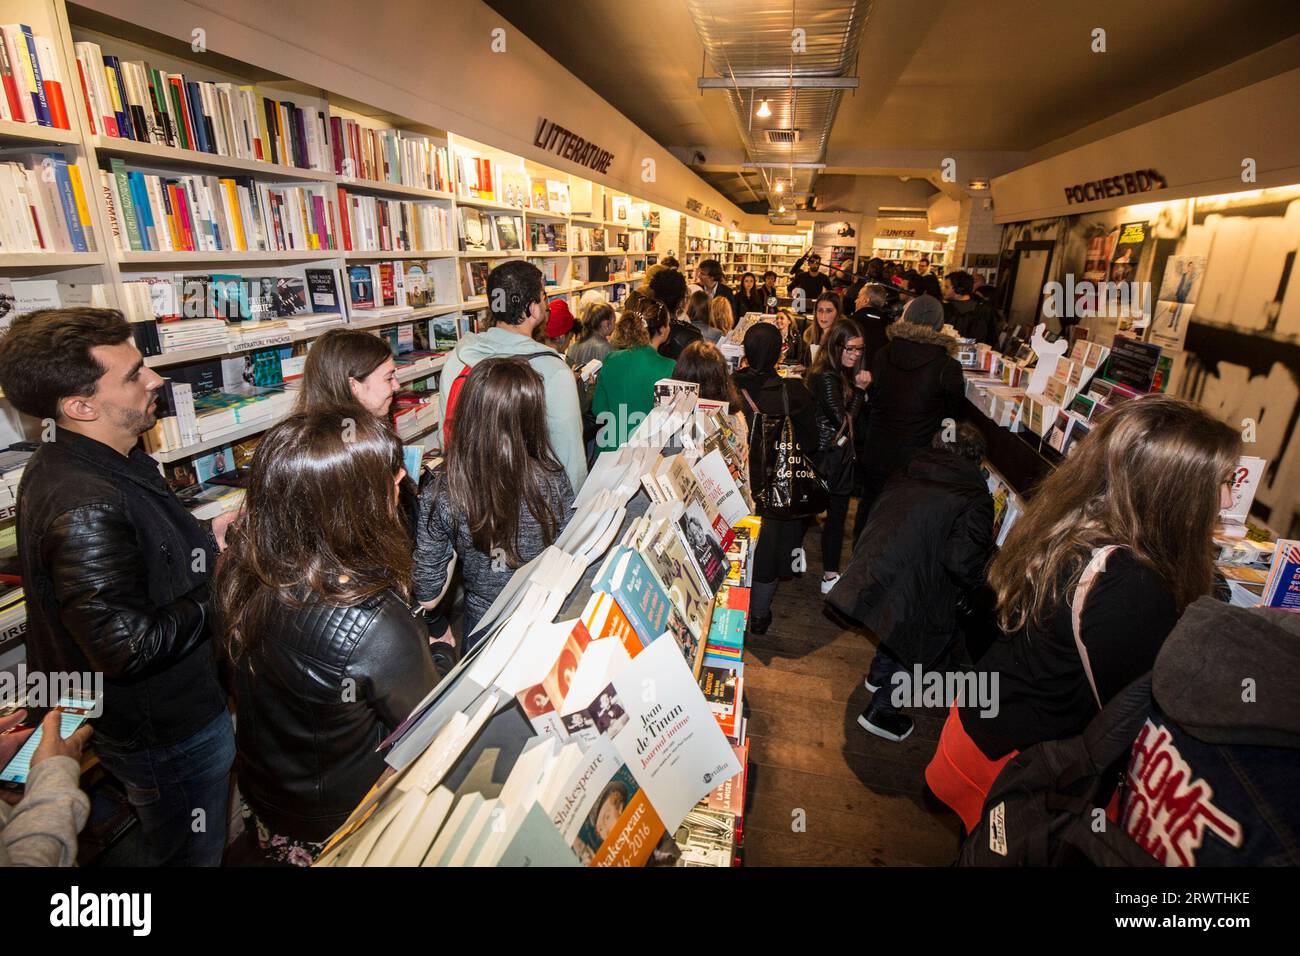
x=265, y=341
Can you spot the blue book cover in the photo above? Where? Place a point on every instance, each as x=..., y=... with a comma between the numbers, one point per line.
x=140, y=196
x=42, y=105
x=643, y=601
x=69, y=202
x=196, y=115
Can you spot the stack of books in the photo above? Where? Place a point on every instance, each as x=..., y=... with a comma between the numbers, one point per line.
x=12, y=462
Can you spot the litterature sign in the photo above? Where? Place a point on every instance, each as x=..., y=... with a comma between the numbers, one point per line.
x=708, y=212
x=569, y=145
x=1124, y=184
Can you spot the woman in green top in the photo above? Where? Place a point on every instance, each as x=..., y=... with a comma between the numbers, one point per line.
x=625, y=387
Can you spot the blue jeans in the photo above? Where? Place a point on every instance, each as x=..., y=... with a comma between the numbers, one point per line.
x=167, y=785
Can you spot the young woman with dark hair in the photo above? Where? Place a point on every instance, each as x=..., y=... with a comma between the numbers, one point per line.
x=311, y=599
x=750, y=296
x=838, y=381
x=349, y=367
x=770, y=394
x=500, y=497
x=1114, y=545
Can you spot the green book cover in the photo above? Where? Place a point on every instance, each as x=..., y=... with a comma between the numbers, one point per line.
x=128, y=205
x=182, y=133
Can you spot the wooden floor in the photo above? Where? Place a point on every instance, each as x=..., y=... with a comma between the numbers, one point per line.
x=824, y=792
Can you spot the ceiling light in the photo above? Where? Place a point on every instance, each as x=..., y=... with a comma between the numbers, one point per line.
x=763, y=111
x=978, y=184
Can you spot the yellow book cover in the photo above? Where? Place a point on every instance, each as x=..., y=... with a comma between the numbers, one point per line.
x=83, y=211
x=236, y=215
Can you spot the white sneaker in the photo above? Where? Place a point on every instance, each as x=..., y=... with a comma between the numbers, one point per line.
x=828, y=583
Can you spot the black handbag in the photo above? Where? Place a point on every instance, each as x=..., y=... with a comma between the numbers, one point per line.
x=784, y=483
x=838, y=462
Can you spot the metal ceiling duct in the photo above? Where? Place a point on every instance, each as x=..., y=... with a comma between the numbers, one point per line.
x=753, y=40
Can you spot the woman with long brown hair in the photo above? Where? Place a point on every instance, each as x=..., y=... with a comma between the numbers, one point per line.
x=310, y=599
x=349, y=367
x=838, y=381
x=500, y=498
x=1112, y=548
x=700, y=313
x=826, y=313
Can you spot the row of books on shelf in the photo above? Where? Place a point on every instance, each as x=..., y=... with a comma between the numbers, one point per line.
x=388, y=155
x=482, y=231
x=197, y=213
x=589, y=768
x=45, y=206
x=129, y=99
x=34, y=90
x=373, y=224
x=19, y=296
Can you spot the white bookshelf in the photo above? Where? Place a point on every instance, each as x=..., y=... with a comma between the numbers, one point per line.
x=110, y=266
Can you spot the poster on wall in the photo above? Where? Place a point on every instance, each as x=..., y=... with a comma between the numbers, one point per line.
x=1097, y=261
x=1131, y=241
x=1176, y=301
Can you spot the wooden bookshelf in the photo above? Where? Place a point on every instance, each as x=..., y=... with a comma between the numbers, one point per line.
x=13, y=133
x=146, y=154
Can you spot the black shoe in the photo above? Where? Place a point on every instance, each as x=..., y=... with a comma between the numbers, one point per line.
x=883, y=723
x=445, y=657
x=759, y=623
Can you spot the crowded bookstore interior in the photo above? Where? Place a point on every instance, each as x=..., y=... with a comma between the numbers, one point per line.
x=695, y=433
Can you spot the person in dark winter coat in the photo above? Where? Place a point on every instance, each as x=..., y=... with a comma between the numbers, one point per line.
x=915, y=384
x=761, y=388
x=1238, y=755
x=873, y=314
x=971, y=317
x=838, y=383
x=928, y=540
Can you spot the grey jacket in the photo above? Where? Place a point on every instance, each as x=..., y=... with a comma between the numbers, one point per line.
x=42, y=830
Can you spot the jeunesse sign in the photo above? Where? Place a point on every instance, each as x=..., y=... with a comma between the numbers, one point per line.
x=569, y=145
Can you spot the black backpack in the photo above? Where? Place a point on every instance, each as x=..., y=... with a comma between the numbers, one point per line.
x=1047, y=806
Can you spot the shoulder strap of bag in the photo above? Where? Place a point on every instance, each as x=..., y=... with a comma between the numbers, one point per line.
x=1096, y=565
x=752, y=407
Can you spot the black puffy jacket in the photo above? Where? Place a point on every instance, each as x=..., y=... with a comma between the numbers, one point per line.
x=929, y=538
x=915, y=384
x=115, y=570
x=314, y=699
x=680, y=335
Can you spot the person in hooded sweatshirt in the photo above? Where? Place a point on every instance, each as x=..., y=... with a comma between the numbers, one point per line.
x=915, y=384
x=1213, y=775
x=928, y=539
x=761, y=389
x=971, y=317
x=517, y=302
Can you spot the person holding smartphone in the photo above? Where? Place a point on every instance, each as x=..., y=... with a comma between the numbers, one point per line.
x=116, y=571
x=41, y=829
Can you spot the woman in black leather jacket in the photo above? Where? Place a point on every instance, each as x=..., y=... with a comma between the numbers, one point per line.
x=838, y=382
x=327, y=658
x=763, y=390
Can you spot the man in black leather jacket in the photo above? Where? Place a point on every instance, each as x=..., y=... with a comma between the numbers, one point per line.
x=116, y=574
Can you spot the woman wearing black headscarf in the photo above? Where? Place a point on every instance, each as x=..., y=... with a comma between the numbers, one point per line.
x=779, y=540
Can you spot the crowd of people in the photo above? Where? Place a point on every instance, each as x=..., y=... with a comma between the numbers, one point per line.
x=322, y=612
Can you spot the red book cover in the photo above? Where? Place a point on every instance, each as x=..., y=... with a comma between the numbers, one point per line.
x=386, y=284
x=343, y=219
x=181, y=202
x=85, y=96
x=58, y=108
x=322, y=225
x=336, y=144
x=486, y=181
x=11, y=86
